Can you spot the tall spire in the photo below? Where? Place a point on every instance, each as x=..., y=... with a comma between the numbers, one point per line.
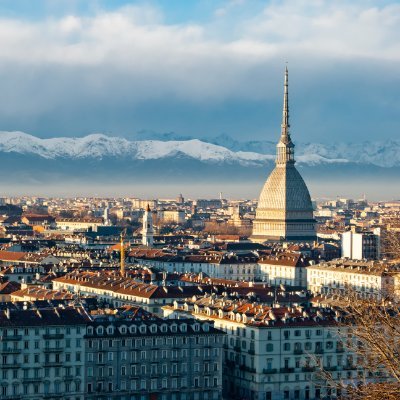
x=285, y=115
x=285, y=147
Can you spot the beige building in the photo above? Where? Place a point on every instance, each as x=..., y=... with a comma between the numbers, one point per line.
x=284, y=210
x=367, y=278
x=78, y=224
x=171, y=216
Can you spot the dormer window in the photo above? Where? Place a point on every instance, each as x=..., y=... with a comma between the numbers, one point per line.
x=153, y=329
x=142, y=329
x=110, y=330
x=132, y=329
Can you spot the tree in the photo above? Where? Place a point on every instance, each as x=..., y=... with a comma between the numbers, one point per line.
x=373, y=339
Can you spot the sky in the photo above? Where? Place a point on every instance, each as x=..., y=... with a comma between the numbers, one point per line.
x=201, y=68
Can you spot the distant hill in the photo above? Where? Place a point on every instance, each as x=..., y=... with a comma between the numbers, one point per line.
x=26, y=159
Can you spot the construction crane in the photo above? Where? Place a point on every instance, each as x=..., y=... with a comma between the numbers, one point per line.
x=122, y=263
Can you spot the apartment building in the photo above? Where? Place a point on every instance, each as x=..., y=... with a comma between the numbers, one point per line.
x=113, y=289
x=367, y=278
x=276, y=353
x=42, y=353
x=153, y=359
x=359, y=244
x=284, y=268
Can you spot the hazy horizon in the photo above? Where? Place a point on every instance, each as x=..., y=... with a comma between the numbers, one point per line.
x=318, y=190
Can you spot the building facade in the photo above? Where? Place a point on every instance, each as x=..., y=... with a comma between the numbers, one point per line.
x=42, y=353
x=277, y=353
x=153, y=359
x=366, y=278
x=361, y=245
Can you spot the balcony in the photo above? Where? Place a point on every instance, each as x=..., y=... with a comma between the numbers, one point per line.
x=53, y=350
x=252, y=352
x=49, y=336
x=32, y=379
x=349, y=367
x=246, y=368
x=11, y=338
x=330, y=368
x=14, y=365
x=10, y=351
x=270, y=371
x=308, y=368
x=237, y=348
x=53, y=364
x=319, y=351
x=287, y=370
x=230, y=363
x=297, y=351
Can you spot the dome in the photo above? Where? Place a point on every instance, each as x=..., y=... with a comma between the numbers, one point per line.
x=284, y=210
x=285, y=190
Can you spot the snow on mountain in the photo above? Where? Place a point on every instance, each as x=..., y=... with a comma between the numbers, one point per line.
x=99, y=146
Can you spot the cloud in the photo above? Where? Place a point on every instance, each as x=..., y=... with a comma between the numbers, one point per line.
x=77, y=67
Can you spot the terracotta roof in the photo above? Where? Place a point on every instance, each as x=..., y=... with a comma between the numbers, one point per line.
x=11, y=255
x=39, y=293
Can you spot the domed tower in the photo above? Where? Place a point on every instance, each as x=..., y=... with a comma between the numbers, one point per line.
x=284, y=210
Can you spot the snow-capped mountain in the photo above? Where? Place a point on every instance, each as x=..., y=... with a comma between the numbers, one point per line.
x=103, y=162
x=99, y=146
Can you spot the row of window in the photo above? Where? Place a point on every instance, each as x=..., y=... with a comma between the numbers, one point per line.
x=153, y=384
x=144, y=342
x=40, y=331
x=135, y=370
x=133, y=329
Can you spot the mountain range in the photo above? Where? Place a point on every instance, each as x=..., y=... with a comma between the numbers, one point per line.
x=159, y=157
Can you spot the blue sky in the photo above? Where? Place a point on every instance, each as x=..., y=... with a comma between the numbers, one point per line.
x=201, y=68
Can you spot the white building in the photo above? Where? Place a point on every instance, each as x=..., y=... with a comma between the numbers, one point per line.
x=78, y=224
x=360, y=245
x=284, y=268
x=275, y=353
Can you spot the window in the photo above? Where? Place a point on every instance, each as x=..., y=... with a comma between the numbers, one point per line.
x=269, y=347
x=286, y=346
